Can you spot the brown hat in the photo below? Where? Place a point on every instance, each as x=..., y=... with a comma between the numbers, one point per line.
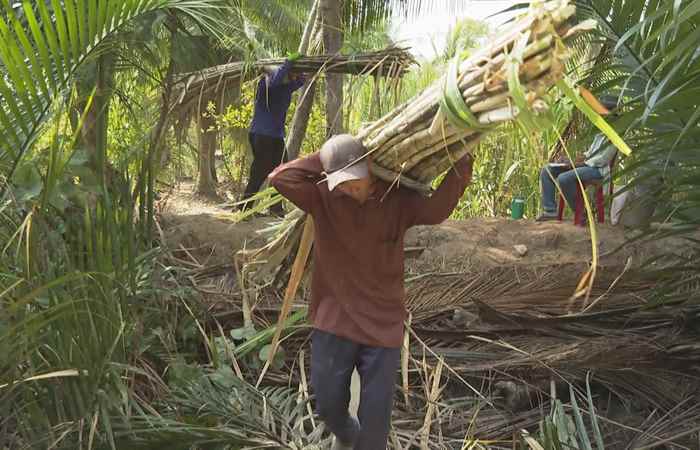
x=342, y=159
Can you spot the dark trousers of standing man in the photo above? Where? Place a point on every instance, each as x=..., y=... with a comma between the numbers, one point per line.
x=268, y=153
x=332, y=362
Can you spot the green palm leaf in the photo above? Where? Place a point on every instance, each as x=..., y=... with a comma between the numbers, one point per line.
x=650, y=50
x=219, y=409
x=43, y=43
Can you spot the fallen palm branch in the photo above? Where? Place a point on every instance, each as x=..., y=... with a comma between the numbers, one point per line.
x=510, y=335
x=392, y=61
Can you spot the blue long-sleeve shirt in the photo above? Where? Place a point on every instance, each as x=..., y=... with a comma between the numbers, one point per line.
x=272, y=101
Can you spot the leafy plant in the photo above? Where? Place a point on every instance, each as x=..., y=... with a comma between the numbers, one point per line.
x=560, y=430
x=43, y=45
x=219, y=410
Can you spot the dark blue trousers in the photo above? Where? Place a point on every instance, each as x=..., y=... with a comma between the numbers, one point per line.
x=332, y=362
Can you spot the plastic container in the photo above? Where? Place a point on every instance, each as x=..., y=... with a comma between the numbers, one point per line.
x=517, y=208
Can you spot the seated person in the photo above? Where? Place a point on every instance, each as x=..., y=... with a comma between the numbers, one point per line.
x=593, y=165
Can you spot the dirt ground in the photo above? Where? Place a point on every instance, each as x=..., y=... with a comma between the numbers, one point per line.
x=208, y=230
x=211, y=233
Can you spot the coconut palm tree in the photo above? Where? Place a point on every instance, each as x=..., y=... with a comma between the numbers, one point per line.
x=44, y=46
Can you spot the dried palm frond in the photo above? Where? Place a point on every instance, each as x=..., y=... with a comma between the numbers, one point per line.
x=520, y=332
x=392, y=61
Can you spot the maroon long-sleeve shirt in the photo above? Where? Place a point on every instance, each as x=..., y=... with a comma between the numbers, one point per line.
x=357, y=289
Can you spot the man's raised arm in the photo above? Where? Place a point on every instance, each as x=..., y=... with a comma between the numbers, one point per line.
x=438, y=207
x=277, y=78
x=297, y=181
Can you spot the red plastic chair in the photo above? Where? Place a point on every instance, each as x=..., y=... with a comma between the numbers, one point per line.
x=579, y=208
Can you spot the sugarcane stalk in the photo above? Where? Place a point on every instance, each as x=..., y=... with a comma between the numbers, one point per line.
x=421, y=143
x=413, y=161
x=426, y=104
x=437, y=164
x=399, y=179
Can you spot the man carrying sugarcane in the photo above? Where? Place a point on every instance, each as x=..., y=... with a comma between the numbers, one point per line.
x=592, y=166
x=266, y=135
x=357, y=292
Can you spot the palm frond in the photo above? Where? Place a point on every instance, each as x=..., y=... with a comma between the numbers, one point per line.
x=652, y=63
x=41, y=49
x=363, y=14
x=221, y=409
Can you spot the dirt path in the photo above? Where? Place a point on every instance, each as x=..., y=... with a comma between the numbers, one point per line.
x=210, y=233
x=207, y=230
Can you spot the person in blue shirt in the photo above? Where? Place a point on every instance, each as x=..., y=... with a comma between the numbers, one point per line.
x=266, y=135
x=593, y=165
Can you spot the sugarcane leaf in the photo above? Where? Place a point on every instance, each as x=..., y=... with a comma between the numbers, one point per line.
x=594, y=117
x=580, y=425
x=526, y=116
x=452, y=103
x=598, y=436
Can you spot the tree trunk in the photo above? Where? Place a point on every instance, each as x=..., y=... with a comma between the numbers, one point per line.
x=300, y=121
x=332, y=42
x=93, y=133
x=312, y=23
x=206, y=137
x=212, y=159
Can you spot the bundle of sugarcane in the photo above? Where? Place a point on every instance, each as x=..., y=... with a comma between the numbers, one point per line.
x=508, y=79
x=420, y=139
x=390, y=62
